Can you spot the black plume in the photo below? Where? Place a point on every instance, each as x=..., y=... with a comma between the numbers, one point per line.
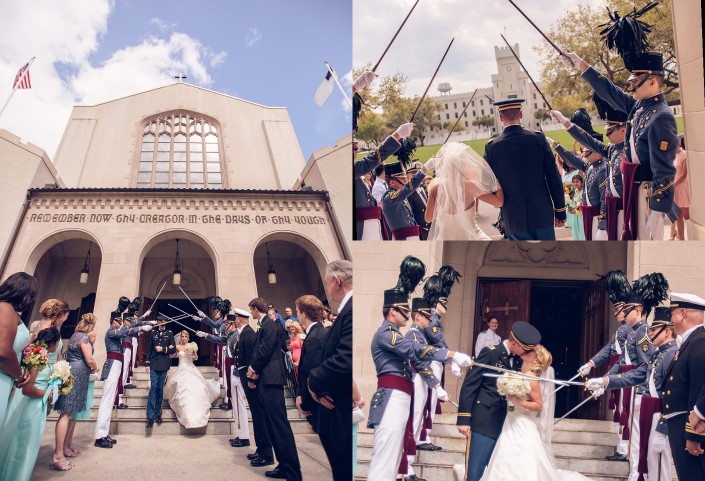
x=406, y=152
x=582, y=119
x=357, y=107
x=617, y=285
x=411, y=271
x=224, y=307
x=448, y=276
x=215, y=302
x=432, y=290
x=602, y=106
x=134, y=306
x=123, y=302
x=653, y=288
x=627, y=34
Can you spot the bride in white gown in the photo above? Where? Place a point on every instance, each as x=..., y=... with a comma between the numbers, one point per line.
x=523, y=448
x=462, y=178
x=190, y=395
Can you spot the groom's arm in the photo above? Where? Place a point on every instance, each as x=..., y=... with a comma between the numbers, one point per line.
x=171, y=349
x=471, y=386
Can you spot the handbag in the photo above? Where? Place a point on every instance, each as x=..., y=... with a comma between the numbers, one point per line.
x=357, y=415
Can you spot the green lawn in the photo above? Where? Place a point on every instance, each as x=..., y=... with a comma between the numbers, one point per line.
x=561, y=136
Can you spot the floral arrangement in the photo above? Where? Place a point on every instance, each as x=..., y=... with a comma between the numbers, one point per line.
x=191, y=348
x=62, y=372
x=569, y=193
x=512, y=385
x=34, y=356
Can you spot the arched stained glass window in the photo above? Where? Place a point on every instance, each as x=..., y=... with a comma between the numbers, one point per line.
x=180, y=150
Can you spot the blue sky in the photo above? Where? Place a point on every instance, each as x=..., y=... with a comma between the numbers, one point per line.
x=89, y=51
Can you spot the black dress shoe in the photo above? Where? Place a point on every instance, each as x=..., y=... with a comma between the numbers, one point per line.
x=103, y=443
x=225, y=406
x=111, y=439
x=277, y=473
x=150, y=423
x=122, y=406
x=252, y=456
x=159, y=420
x=232, y=440
x=259, y=462
x=616, y=457
x=240, y=443
x=413, y=477
x=428, y=447
x=129, y=386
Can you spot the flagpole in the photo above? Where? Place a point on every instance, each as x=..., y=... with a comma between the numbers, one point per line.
x=18, y=82
x=335, y=77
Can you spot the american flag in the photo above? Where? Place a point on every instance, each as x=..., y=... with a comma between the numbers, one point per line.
x=20, y=81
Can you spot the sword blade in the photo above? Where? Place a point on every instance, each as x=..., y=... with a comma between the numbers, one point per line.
x=174, y=320
x=189, y=299
x=158, y=294
x=186, y=313
x=527, y=73
x=418, y=106
x=537, y=28
x=460, y=117
x=573, y=410
x=532, y=378
x=529, y=378
x=374, y=69
x=569, y=380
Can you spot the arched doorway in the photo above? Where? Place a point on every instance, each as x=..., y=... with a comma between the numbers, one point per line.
x=58, y=262
x=198, y=281
x=299, y=265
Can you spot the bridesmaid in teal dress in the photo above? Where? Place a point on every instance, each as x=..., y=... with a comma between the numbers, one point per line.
x=16, y=294
x=18, y=461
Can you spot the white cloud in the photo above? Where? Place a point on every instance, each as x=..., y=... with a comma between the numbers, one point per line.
x=162, y=25
x=63, y=76
x=252, y=36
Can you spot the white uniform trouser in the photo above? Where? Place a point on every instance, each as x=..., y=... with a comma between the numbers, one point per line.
x=389, y=438
x=105, y=412
x=623, y=444
x=127, y=354
x=420, y=396
x=134, y=349
x=634, y=440
x=437, y=368
x=415, y=237
x=223, y=356
x=652, y=458
x=239, y=407
x=620, y=224
x=654, y=230
x=371, y=230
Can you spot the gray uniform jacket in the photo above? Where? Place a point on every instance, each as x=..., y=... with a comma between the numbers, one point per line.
x=640, y=351
x=434, y=332
x=423, y=368
x=613, y=153
x=619, y=336
x=113, y=343
x=392, y=353
x=395, y=206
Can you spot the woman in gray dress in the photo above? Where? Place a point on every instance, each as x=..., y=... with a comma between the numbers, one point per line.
x=80, y=358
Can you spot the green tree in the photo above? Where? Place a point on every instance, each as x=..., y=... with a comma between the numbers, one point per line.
x=483, y=121
x=542, y=114
x=372, y=128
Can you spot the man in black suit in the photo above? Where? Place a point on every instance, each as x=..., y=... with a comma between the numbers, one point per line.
x=534, y=202
x=330, y=383
x=266, y=374
x=310, y=312
x=482, y=410
x=683, y=394
x=160, y=345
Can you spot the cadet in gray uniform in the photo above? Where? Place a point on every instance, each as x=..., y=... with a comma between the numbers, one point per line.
x=391, y=403
x=395, y=204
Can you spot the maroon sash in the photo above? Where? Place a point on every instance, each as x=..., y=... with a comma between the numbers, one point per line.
x=649, y=407
x=368, y=213
x=426, y=420
x=630, y=196
x=613, y=205
x=589, y=211
x=116, y=356
x=404, y=232
x=443, y=385
x=626, y=406
x=614, y=393
x=399, y=383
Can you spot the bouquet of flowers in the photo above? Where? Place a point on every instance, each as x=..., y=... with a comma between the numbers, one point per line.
x=34, y=356
x=191, y=348
x=569, y=193
x=513, y=385
x=62, y=372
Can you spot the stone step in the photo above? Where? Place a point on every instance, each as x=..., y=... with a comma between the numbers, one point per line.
x=139, y=399
x=140, y=413
x=144, y=376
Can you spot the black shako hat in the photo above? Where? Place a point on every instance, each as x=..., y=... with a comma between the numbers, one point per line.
x=419, y=304
x=662, y=318
x=396, y=298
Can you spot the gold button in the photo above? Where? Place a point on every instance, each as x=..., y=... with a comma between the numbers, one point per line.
x=671, y=378
x=667, y=406
x=669, y=393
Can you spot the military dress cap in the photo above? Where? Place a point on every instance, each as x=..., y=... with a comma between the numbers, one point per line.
x=241, y=312
x=687, y=301
x=419, y=304
x=396, y=298
x=650, y=63
x=508, y=104
x=526, y=335
x=634, y=300
x=116, y=316
x=662, y=318
x=395, y=169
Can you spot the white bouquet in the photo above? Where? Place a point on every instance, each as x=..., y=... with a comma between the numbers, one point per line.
x=191, y=348
x=512, y=385
x=62, y=372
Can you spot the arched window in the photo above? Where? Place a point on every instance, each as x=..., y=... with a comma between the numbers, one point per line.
x=180, y=150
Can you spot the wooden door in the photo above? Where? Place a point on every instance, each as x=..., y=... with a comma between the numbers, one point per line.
x=509, y=301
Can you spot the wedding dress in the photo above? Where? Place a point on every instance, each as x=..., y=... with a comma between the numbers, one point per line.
x=190, y=395
x=461, y=176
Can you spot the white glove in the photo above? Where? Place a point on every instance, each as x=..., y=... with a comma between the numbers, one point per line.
x=147, y=313
x=462, y=360
x=201, y=313
x=430, y=164
x=455, y=369
x=659, y=442
x=558, y=117
x=152, y=323
x=585, y=369
x=195, y=318
x=364, y=80
x=201, y=334
x=416, y=165
x=598, y=392
x=595, y=383
x=404, y=130
x=146, y=328
x=549, y=141
x=441, y=393
x=601, y=235
x=570, y=60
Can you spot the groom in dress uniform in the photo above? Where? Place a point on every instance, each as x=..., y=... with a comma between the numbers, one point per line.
x=160, y=345
x=482, y=410
x=534, y=202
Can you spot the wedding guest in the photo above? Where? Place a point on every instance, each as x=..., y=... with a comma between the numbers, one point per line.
x=488, y=337
x=90, y=400
x=290, y=315
x=296, y=342
x=80, y=357
x=682, y=193
x=568, y=173
x=310, y=311
x=17, y=462
x=578, y=230
x=16, y=294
